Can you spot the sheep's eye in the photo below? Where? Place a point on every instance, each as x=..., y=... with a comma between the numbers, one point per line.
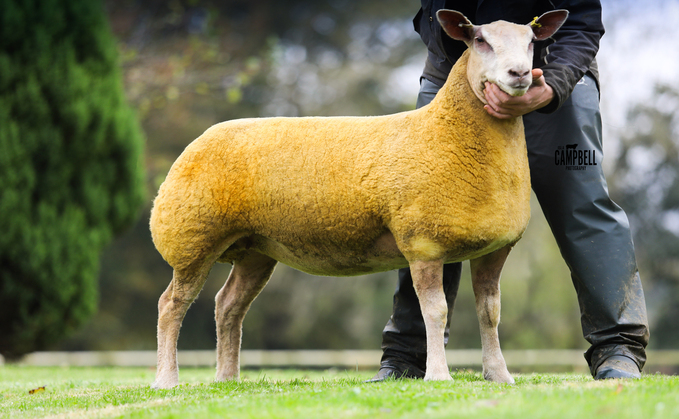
x=480, y=40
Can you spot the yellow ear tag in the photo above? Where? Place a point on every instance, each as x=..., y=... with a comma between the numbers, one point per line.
x=535, y=24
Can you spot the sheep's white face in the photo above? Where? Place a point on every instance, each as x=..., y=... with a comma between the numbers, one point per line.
x=502, y=53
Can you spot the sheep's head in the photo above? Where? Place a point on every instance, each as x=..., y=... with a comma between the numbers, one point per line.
x=500, y=52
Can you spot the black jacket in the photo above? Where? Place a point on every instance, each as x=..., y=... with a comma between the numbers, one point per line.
x=564, y=58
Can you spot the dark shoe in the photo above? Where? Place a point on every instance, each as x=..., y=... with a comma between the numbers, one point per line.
x=395, y=373
x=617, y=366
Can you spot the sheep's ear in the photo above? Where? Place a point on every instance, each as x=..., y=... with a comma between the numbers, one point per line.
x=456, y=25
x=547, y=24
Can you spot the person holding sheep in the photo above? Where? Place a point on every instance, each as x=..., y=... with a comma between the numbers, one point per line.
x=559, y=110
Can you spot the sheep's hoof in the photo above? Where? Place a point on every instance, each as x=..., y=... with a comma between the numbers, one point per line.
x=164, y=384
x=501, y=377
x=443, y=376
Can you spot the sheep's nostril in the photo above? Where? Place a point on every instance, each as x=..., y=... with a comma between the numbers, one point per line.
x=519, y=74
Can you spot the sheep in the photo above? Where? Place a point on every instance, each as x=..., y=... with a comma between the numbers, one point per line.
x=341, y=196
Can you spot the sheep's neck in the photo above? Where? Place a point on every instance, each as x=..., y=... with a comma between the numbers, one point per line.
x=458, y=100
x=458, y=109
x=461, y=95
x=463, y=91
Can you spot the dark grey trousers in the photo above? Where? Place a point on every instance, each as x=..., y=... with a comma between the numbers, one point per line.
x=565, y=156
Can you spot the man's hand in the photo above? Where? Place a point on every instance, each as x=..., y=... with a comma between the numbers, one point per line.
x=503, y=106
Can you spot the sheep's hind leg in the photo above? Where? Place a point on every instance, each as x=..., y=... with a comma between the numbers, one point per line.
x=486, y=283
x=248, y=277
x=428, y=284
x=172, y=306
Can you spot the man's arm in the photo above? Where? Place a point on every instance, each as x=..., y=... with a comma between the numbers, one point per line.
x=575, y=47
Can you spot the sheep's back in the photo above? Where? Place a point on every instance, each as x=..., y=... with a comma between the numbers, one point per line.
x=298, y=181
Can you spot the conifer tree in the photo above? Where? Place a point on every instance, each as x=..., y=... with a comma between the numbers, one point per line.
x=70, y=166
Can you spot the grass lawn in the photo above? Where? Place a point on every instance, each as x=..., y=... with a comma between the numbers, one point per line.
x=115, y=392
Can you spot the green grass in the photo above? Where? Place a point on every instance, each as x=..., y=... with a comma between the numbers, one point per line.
x=115, y=392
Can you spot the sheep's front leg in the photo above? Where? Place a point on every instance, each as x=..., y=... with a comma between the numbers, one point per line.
x=486, y=282
x=428, y=284
x=247, y=278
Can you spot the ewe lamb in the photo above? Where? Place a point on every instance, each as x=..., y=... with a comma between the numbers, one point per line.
x=354, y=195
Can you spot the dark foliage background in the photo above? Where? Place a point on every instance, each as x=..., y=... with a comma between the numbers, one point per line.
x=70, y=166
